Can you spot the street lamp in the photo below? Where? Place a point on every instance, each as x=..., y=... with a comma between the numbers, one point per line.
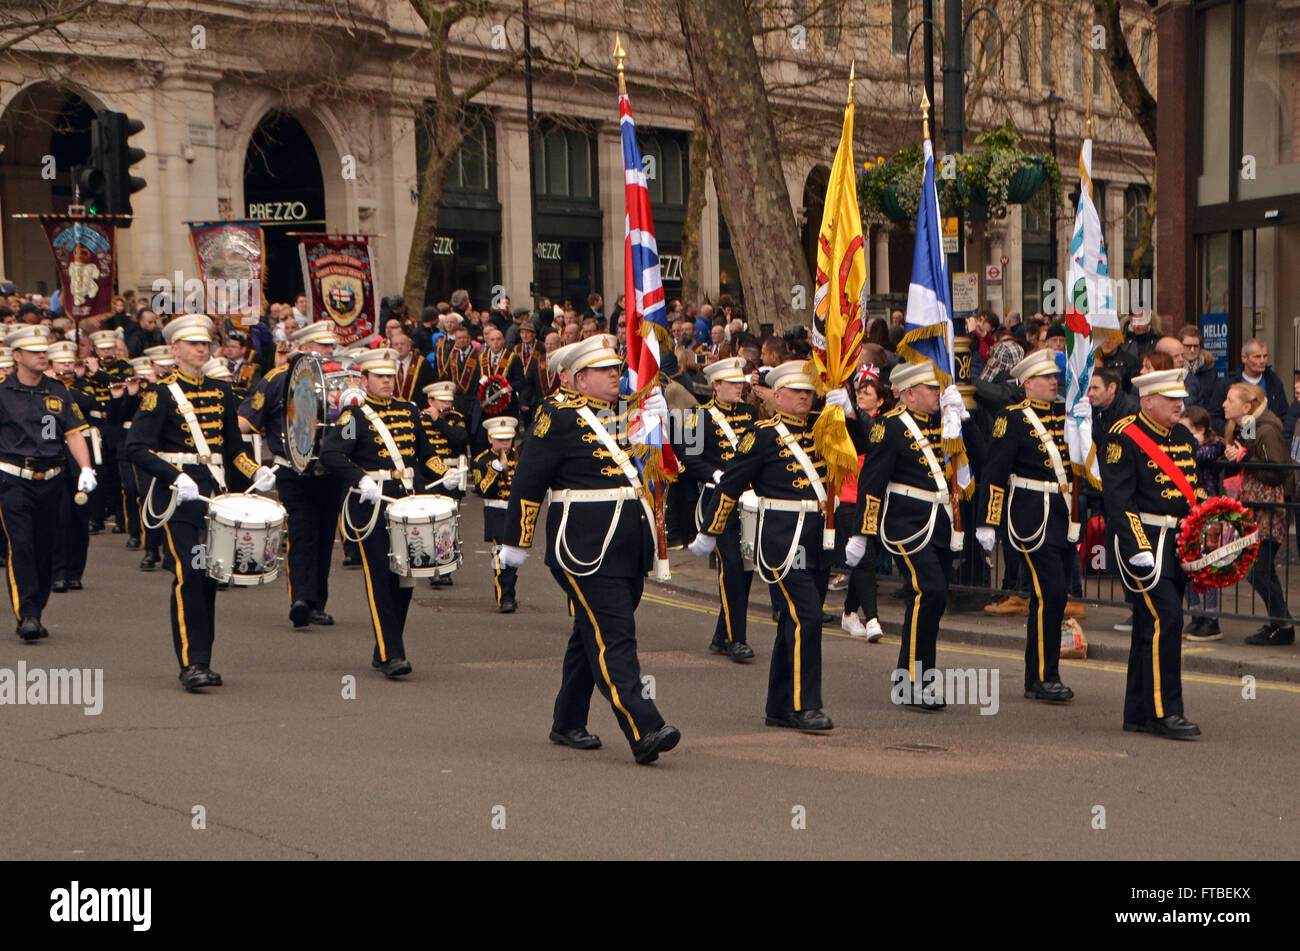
x=1053, y=112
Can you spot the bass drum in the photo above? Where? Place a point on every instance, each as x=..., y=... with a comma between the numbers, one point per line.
x=305, y=411
x=343, y=388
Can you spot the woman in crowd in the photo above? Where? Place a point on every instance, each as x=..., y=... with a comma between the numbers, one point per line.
x=1254, y=435
x=1209, y=450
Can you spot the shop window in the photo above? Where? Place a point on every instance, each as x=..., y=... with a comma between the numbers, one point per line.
x=566, y=164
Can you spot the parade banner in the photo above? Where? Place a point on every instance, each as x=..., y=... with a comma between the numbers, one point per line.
x=231, y=260
x=338, y=275
x=85, y=252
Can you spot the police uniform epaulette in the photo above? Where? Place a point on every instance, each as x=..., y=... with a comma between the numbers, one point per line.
x=276, y=372
x=1119, y=426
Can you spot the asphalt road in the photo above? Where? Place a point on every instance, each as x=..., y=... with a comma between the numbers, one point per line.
x=284, y=767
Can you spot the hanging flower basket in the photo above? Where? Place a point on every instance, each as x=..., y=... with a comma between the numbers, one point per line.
x=891, y=207
x=1024, y=183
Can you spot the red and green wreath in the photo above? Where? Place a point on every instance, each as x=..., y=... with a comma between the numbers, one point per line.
x=1217, y=543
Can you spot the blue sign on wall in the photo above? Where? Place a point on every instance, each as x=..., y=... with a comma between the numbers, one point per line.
x=1214, y=338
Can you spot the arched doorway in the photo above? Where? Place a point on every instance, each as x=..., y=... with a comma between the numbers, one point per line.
x=44, y=132
x=284, y=189
x=814, y=203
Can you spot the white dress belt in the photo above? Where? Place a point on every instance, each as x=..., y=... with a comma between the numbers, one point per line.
x=191, y=459
x=1038, y=485
x=32, y=475
x=594, y=495
x=933, y=496
x=379, y=475
x=1163, y=521
x=789, y=505
x=496, y=504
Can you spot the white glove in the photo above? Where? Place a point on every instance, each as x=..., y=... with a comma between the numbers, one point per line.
x=703, y=545
x=1143, y=559
x=369, y=490
x=452, y=480
x=86, y=482
x=1083, y=410
x=513, y=557
x=855, y=549
x=655, y=404
x=496, y=464
x=717, y=476
x=482, y=380
x=839, y=397
x=985, y=536
x=264, y=479
x=187, y=490
x=950, y=398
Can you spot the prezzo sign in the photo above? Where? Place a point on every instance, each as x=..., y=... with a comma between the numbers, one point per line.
x=548, y=250
x=670, y=267
x=277, y=210
x=444, y=244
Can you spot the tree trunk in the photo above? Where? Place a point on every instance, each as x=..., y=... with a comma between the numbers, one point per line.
x=1124, y=73
x=746, y=162
x=1144, y=236
x=446, y=136
x=695, y=206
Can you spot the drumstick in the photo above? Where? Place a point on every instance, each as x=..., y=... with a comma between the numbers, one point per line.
x=81, y=498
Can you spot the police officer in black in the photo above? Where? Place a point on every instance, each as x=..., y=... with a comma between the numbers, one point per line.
x=356, y=451
x=311, y=500
x=1028, y=484
x=37, y=418
x=186, y=437
x=710, y=440
x=780, y=462
x=599, y=547
x=1148, y=479
x=72, y=538
x=493, y=473
x=904, y=500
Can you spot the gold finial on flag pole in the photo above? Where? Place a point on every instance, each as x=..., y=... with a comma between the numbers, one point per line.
x=620, y=54
x=925, y=113
x=852, y=69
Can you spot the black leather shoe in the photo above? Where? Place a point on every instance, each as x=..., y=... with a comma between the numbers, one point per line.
x=1268, y=636
x=1055, y=692
x=75, y=586
x=196, y=676
x=393, y=667
x=652, y=744
x=300, y=613
x=29, y=628
x=118, y=529
x=441, y=581
x=828, y=619
x=133, y=543
x=508, y=605
x=150, y=561
x=926, y=706
x=578, y=738
x=58, y=587
x=814, y=721
x=1171, y=728
x=94, y=528
x=738, y=651
x=321, y=618
x=351, y=562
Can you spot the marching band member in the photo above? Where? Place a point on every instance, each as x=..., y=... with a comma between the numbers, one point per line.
x=448, y=433
x=72, y=538
x=599, y=531
x=375, y=448
x=458, y=361
x=1028, y=482
x=778, y=460
x=715, y=430
x=124, y=408
x=186, y=435
x=162, y=364
x=31, y=471
x=529, y=355
x=109, y=376
x=218, y=369
x=493, y=471
x=903, y=499
x=1148, y=475
x=311, y=500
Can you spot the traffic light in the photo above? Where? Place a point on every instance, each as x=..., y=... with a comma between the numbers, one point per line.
x=112, y=155
x=90, y=182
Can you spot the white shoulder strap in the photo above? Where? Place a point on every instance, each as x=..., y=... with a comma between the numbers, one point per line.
x=1053, y=454
x=724, y=426
x=936, y=471
x=394, y=453
x=623, y=460
x=805, y=463
x=196, y=431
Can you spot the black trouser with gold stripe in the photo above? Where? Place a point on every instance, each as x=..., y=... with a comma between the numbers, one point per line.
x=153, y=537
x=72, y=538
x=926, y=576
x=386, y=598
x=494, y=530
x=1155, y=658
x=1049, y=576
x=194, y=593
x=311, y=505
x=29, y=513
x=794, y=680
x=130, y=496
x=605, y=638
x=106, y=500
x=733, y=587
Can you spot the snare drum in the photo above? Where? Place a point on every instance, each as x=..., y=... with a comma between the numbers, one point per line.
x=748, y=527
x=423, y=536
x=244, y=534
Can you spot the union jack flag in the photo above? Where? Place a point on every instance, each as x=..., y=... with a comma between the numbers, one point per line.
x=643, y=289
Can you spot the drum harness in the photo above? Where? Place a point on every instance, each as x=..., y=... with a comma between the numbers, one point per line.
x=563, y=553
x=936, y=498
x=201, y=456
x=1046, y=489
x=802, y=506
